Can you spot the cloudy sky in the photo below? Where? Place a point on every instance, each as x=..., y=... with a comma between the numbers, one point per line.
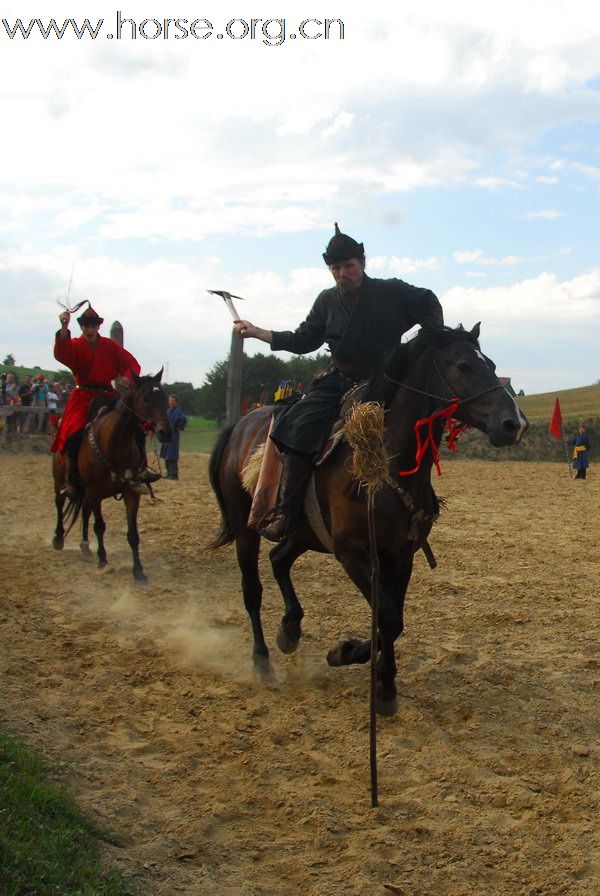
x=459, y=140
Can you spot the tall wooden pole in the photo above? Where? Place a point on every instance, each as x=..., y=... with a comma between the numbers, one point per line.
x=116, y=332
x=233, y=398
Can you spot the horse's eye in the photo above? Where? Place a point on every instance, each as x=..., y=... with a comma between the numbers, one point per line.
x=464, y=366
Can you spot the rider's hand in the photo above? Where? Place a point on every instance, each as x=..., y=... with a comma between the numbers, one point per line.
x=64, y=317
x=244, y=328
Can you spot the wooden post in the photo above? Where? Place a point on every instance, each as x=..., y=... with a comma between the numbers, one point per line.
x=234, y=380
x=116, y=332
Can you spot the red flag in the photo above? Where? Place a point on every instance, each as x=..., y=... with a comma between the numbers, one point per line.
x=555, y=427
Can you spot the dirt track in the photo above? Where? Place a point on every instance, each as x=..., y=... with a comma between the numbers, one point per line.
x=214, y=784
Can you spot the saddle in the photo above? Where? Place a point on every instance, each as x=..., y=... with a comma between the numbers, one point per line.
x=261, y=477
x=262, y=471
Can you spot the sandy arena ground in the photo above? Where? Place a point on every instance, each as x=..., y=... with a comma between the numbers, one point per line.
x=216, y=785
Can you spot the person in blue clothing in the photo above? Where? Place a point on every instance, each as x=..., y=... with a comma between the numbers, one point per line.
x=169, y=451
x=581, y=448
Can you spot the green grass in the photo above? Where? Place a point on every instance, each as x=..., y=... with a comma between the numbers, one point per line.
x=199, y=435
x=21, y=372
x=575, y=404
x=46, y=845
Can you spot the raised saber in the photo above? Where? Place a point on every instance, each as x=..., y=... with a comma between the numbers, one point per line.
x=68, y=292
x=227, y=298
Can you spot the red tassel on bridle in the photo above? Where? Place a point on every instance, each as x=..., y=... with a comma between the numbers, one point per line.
x=455, y=429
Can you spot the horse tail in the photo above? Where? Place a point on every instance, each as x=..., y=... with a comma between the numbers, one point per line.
x=225, y=536
x=72, y=511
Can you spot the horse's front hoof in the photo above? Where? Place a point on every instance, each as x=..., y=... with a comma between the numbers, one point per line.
x=85, y=551
x=387, y=706
x=58, y=543
x=346, y=653
x=140, y=578
x=286, y=643
x=102, y=564
x=335, y=657
x=263, y=670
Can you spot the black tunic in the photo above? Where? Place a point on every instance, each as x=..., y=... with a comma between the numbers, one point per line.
x=358, y=332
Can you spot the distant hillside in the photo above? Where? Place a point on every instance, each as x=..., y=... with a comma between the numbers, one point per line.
x=577, y=405
x=21, y=372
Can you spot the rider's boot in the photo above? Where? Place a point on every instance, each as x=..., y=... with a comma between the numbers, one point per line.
x=145, y=476
x=294, y=480
x=71, y=477
x=141, y=483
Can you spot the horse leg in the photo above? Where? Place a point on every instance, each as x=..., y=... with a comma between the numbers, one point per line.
x=390, y=622
x=391, y=625
x=283, y=557
x=85, y=522
x=58, y=539
x=132, y=503
x=99, y=529
x=247, y=546
x=354, y=651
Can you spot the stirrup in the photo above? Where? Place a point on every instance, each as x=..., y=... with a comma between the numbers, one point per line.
x=276, y=524
x=148, y=475
x=140, y=488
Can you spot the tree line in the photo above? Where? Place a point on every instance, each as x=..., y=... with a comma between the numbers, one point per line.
x=261, y=375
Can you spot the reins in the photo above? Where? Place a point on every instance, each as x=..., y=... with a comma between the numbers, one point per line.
x=455, y=428
x=121, y=405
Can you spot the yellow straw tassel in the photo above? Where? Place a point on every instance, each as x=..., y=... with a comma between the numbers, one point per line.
x=364, y=432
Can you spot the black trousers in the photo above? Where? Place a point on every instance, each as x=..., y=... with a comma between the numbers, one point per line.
x=172, y=469
x=581, y=473
x=304, y=425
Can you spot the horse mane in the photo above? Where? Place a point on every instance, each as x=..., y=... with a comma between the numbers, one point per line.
x=141, y=381
x=397, y=362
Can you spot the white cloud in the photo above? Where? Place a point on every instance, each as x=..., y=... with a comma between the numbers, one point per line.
x=592, y=171
x=462, y=257
x=396, y=265
x=547, y=213
x=149, y=161
x=494, y=183
x=479, y=257
x=343, y=122
x=543, y=301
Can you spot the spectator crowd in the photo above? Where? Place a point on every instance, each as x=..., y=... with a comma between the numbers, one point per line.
x=34, y=392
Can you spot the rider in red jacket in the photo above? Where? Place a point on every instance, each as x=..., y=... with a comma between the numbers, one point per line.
x=96, y=362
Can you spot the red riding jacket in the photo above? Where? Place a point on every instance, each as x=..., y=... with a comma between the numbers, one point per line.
x=93, y=369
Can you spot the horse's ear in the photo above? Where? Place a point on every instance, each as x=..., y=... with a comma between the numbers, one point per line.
x=158, y=376
x=135, y=378
x=475, y=331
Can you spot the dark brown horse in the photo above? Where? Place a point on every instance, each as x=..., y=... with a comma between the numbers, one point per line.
x=419, y=378
x=109, y=457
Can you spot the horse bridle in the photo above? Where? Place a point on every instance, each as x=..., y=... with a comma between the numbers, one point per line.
x=451, y=400
x=122, y=404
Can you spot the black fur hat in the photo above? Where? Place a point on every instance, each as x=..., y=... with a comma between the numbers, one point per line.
x=341, y=247
x=89, y=316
